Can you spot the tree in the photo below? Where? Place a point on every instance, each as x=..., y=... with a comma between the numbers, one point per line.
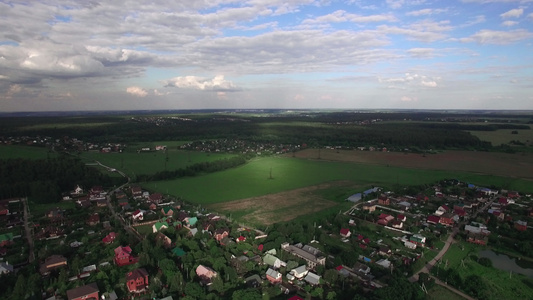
x=194, y=289
x=19, y=292
x=331, y=296
x=246, y=294
x=331, y=276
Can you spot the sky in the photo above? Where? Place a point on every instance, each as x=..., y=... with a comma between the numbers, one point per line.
x=252, y=54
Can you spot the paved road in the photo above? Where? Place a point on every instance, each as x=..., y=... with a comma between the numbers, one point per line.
x=31, y=256
x=112, y=209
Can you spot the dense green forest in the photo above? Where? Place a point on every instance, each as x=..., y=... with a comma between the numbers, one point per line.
x=44, y=180
x=350, y=129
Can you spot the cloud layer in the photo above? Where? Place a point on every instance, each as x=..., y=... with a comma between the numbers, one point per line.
x=57, y=55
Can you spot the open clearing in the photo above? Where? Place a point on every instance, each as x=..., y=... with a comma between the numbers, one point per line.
x=282, y=206
x=491, y=163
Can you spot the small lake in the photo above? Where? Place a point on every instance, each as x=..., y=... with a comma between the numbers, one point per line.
x=506, y=263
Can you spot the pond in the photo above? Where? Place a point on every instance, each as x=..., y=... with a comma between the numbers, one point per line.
x=506, y=263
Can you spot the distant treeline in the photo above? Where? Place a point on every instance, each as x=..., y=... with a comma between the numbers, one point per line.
x=195, y=169
x=350, y=129
x=45, y=180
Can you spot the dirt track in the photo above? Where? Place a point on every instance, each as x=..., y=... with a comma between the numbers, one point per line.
x=284, y=206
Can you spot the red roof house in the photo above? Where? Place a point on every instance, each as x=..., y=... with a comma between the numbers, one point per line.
x=221, y=233
x=108, y=239
x=520, y=225
x=85, y=292
x=137, y=280
x=433, y=219
x=446, y=219
x=123, y=256
x=155, y=198
x=401, y=218
x=206, y=274
x=345, y=232
x=241, y=239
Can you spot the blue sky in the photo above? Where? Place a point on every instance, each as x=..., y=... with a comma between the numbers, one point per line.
x=353, y=54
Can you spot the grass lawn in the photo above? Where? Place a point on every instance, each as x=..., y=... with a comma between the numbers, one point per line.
x=500, y=285
x=438, y=292
x=253, y=179
x=38, y=210
x=26, y=152
x=133, y=163
x=144, y=229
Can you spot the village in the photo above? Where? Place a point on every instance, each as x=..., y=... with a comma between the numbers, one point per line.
x=127, y=243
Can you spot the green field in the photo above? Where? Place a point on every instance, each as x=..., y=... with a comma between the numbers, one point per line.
x=504, y=136
x=500, y=285
x=133, y=163
x=438, y=292
x=39, y=210
x=26, y=152
x=253, y=179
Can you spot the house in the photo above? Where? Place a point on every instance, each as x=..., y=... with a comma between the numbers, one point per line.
x=404, y=205
x=213, y=217
x=273, y=276
x=86, y=292
x=459, y=212
x=383, y=222
x=241, y=239
x=51, y=263
x=410, y=245
x=361, y=268
x=183, y=217
x=192, y=221
x=253, y=281
x=136, y=192
x=6, y=239
x=167, y=211
x=477, y=238
x=123, y=256
x=272, y=261
x=446, y=219
x=513, y=194
x=158, y=226
x=165, y=240
x=418, y=239
x=397, y=224
x=137, y=280
x=155, y=198
x=385, y=263
x=401, y=218
x=299, y=272
x=422, y=198
x=152, y=206
x=312, y=278
x=93, y=220
x=311, y=255
x=386, y=217
x=369, y=207
x=520, y=225
x=477, y=230
x=433, y=219
x=97, y=190
x=345, y=232
x=108, y=239
x=385, y=250
x=138, y=215
x=101, y=203
x=226, y=241
x=206, y=274
x=6, y=268
x=221, y=233
x=123, y=202
x=178, y=252
x=4, y=210
x=83, y=203
x=55, y=213
x=383, y=200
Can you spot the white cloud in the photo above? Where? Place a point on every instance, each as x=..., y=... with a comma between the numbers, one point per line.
x=426, y=12
x=498, y=37
x=410, y=80
x=509, y=23
x=421, y=52
x=513, y=13
x=218, y=83
x=137, y=91
x=530, y=16
x=394, y=4
x=343, y=16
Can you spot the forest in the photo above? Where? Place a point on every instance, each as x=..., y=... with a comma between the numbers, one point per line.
x=44, y=180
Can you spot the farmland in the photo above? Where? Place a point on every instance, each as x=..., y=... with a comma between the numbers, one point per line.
x=26, y=152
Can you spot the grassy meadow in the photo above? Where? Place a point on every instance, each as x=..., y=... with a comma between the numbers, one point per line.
x=26, y=152
x=133, y=163
x=270, y=175
x=504, y=136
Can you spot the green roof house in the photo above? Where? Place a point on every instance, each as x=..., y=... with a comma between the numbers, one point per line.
x=192, y=221
x=178, y=252
x=159, y=226
x=6, y=239
x=271, y=260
